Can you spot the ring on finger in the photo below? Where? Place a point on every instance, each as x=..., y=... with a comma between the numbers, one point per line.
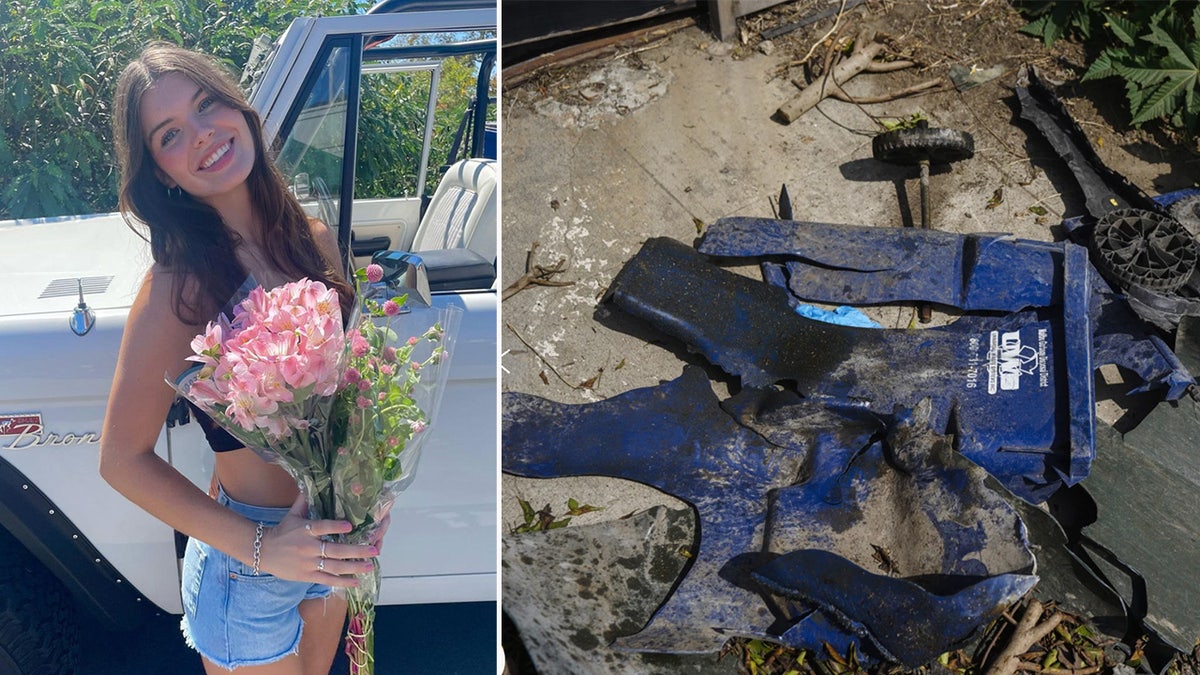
x=308, y=527
x=321, y=565
x=323, y=550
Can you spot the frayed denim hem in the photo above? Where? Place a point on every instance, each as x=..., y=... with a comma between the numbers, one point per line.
x=234, y=616
x=239, y=663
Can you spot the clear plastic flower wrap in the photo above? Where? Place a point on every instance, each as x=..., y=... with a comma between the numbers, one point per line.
x=397, y=369
x=345, y=410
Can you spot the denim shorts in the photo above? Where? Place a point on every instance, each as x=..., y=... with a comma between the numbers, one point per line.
x=232, y=617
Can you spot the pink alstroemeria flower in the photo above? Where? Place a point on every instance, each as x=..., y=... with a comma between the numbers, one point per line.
x=207, y=345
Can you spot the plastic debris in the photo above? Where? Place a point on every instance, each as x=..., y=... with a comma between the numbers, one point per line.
x=875, y=483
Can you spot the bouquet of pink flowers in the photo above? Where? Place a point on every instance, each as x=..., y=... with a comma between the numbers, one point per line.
x=268, y=373
x=344, y=411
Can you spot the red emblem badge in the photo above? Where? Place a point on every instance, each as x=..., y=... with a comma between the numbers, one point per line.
x=13, y=425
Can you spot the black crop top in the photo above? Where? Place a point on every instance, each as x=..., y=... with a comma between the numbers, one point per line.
x=218, y=438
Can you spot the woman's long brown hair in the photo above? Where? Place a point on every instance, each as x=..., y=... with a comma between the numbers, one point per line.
x=187, y=236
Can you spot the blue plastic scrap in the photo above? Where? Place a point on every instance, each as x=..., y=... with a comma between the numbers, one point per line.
x=862, y=265
x=1016, y=390
x=1119, y=336
x=903, y=504
x=790, y=493
x=900, y=619
x=673, y=437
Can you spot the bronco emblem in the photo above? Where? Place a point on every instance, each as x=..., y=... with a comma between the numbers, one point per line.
x=30, y=433
x=20, y=423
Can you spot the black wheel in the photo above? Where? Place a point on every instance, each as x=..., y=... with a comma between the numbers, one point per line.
x=38, y=629
x=912, y=146
x=1187, y=212
x=1143, y=248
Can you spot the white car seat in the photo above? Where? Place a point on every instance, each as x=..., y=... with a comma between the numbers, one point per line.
x=462, y=212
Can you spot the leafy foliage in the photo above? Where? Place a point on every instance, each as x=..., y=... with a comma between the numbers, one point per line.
x=393, y=107
x=909, y=122
x=1157, y=54
x=1153, y=46
x=59, y=62
x=1051, y=20
x=1072, y=646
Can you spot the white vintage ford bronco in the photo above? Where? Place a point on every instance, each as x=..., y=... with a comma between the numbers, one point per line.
x=327, y=92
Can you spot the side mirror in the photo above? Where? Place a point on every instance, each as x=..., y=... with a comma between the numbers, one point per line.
x=405, y=273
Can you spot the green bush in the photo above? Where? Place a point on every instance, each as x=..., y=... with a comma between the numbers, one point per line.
x=1154, y=47
x=59, y=60
x=1159, y=59
x=1053, y=19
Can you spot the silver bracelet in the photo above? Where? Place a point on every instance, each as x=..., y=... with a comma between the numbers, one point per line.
x=258, y=535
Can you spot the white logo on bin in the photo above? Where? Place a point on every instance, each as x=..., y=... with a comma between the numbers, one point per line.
x=1008, y=360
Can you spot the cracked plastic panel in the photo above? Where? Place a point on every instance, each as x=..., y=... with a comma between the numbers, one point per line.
x=862, y=265
x=898, y=618
x=673, y=437
x=1016, y=389
x=772, y=478
x=870, y=265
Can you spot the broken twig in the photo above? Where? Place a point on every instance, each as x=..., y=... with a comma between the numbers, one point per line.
x=540, y=357
x=1033, y=667
x=536, y=275
x=1028, y=633
x=866, y=49
x=927, y=87
x=837, y=21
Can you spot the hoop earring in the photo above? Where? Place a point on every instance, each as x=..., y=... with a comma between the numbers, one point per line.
x=174, y=192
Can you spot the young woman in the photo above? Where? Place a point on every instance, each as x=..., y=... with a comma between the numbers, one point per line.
x=194, y=173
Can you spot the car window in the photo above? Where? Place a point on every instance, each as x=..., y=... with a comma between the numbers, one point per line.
x=393, y=129
x=410, y=105
x=417, y=93
x=312, y=151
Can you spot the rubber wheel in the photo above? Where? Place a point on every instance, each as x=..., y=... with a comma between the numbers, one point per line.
x=38, y=629
x=1143, y=248
x=911, y=146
